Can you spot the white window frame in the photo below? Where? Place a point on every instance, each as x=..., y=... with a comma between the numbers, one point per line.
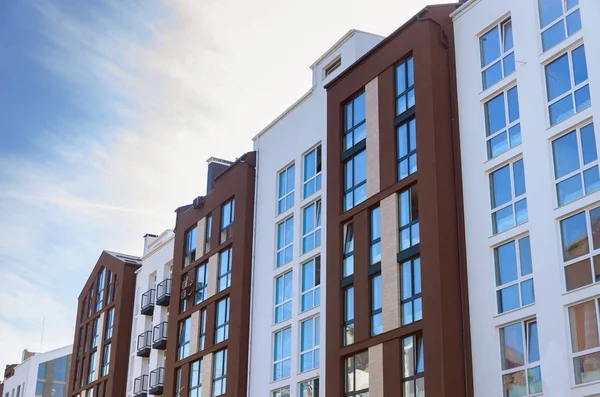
x=281, y=392
x=318, y=222
x=314, y=350
x=520, y=278
x=503, y=54
x=317, y=177
x=581, y=353
x=316, y=288
x=282, y=247
x=283, y=358
x=285, y=196
x=509, y=124
x=527, y=366
x=512, y=202
x=313, y=384
x=563, y=18
x=284, y=301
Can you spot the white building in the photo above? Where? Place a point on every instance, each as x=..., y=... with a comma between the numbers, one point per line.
x=150, y=316
x=287, y=335
x=526, y=71
x=41, y=374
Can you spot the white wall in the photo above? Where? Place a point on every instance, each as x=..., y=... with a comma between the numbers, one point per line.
x=543, y=225
x=285, y=141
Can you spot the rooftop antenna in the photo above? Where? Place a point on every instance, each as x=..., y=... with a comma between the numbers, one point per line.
x=42, y=338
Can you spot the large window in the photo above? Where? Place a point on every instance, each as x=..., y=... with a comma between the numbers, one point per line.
x=190, y=245
x=110, y=322
x=286, y=182
x=497, y=53
x=196, y=379
x=106, y=359
x=201, y=283
x=220, y=373
x=348, y=250
x=567, y=87
x=376, y=306
x=311, y=283
x=407, y=148
x=411, y=304
x=576, y=164
x=375, y=247
x=520, y=355
x=310, y=388
x=207, y=234
x=60, y=369
x=355, y=126
x=502, y=122
x=413, y=366
x=312, y=171
x=514, y=275
x=183, y=343
x=559, y=19
x=405, y=86
x=224, y=279
x=408, y=214
x=311, y=226
x=357, y=375
x=222, y=323
x=283, y=297
x=309, y=344
x=582, y=264
x=584, y=341
x=509, y=205
x=355, y=180
x=100, y=288
x=227, y=218
x=285, y=241
x=282, y=352
x=348, y=316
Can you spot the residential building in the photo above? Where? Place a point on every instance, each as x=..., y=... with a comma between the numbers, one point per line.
x=397, y=319
x=207, y=352
x=150, y=316
x=287, y=310
x=528, y=77
x=39, y=374
x=103, y=328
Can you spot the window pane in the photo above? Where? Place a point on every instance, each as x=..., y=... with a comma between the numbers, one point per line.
x=595, y=222
x=533, y=350
x=411, y=71
x=578, y=274
x=534, y=376
x=359, y=110
x=509, y=64
x=553, y=35
x=569, y=190
x=511, y=346
x=514, y=384
x=573, y=23
x=591, y=179
x=558, y=80
x=406, y=280
x=492, y=74
x=519, y=174
x=587, y=368
x=566, y=155
x=501, y=191
x=513, y=104
x=408, y=356
x=550, y=10
x=579, y=65
x=561, y=110
x=588, y=144
x=582, y=98
x=574, y=236
x=527, y=293
x=506, y=263
x=495, y=114
x=515, y=135
x=584, y=326
x=360, y=167
x=508, y=36
x=497, y=145
x=508, y=298
x=525, y=256
x=401, y=78
x=490, y=47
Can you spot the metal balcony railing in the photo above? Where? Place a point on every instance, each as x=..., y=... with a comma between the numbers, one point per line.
x=140, y=386
x=163, y=292
x=157, y=381
x=144, y=344
x=159, y=336
x=148, y=302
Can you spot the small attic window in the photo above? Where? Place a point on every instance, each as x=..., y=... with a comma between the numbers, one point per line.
x=333, y=65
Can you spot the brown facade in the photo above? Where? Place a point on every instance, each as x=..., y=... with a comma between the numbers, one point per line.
x=428, y=38
x=117, y=297
x=237, y=183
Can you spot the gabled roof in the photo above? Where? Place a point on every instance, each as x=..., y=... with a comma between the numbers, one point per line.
x=127, y=259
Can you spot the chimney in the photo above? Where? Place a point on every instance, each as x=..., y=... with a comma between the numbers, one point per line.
x=216, y=167
x=148, y=239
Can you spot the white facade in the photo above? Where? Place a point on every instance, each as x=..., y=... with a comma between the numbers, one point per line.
x=23, y=382
x=542, y=220
x=156, y=268
x=294, y=135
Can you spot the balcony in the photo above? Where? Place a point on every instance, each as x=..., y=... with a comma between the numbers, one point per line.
x=163, y=292
x=159, y=336
x=157, y=381
x=148, y=302
x=140, y=386
x=144, y=344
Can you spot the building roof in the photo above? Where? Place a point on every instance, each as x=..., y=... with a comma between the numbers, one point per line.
x=126, y=259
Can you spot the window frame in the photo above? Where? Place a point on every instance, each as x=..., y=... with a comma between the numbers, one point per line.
x=110, y=323
x=201, y=285
x=227, y=229
x=100, y=289
x=504, y=54
x=314, y=350
x=283, y=359
x=106, y=359
x=412, y=225
x=566, y=13
x=513, y=202
x=348, y=316
x=418, y=346
x=317, y=177
x=315, y=289
x=183, y=344
x=313, y=383
x=521, y=278
x=202, y=333
x=286, y=199
x=315, y=233
x=375, y=243
x=348, y=250
x=95, y=333
x=189, y=253
x=284, y=247
x=207, y=234
x=92, y=367
x=281, y=392
x=406, y=65
x=222, y=377
x=196, y=381
x=410, y=132
x=348, y=131
x=415, y=298
x=284, y=302
x=360, y=392
x=376, y=310
x=227, y=274
x=355, y=186
x=527, y=366
x=509, y=126
x=225, y=325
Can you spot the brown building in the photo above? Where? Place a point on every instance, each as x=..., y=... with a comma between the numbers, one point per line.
x=103, y=328
x=396, y=283
x=210, y=303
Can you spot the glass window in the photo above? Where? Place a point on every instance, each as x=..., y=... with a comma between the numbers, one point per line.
x=60, y=369
x=520, y=356
x=310, y=388
x=514, y=275
x=312, y=172
x=222, y=323
x=375, y=249
x=100, y=289
x=196, y=379
x=348, y=250
x=502, y=122
x=311, y=283
x=405, y=86
x=39, y=389
x=411, y=304
x=227, y=218
x=283, y=297
x=509, y=205
x=286, y=182
x=190, y=245
x=311, y=226
x=283, y=392
x=207, y=234
x=355, y=116
x=285, y=241
x=109, y=280
x=95, y=332
x=376, y=306
x=282, y=352
x=413, y=366
x=92, y=368
x=349, y=316
x=41, y=371
x=110, y=322
x=567, y=86
x=202, y=329
x=576, y=164
x=584, y=341
x=579, y=233
x=220, y=373
x=407, y=148
x=225, y=258
x=106, y=359
x=183, y=343
x=201, y=283
x=309, y=344
x=355, y=180
x=559, y=19
x=497, y=53
x=178, y=385
x=408, y=214
x=357, y=375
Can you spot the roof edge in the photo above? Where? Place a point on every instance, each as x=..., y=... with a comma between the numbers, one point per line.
x=464, y=8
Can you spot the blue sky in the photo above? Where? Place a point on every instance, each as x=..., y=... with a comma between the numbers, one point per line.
x=109, y=110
